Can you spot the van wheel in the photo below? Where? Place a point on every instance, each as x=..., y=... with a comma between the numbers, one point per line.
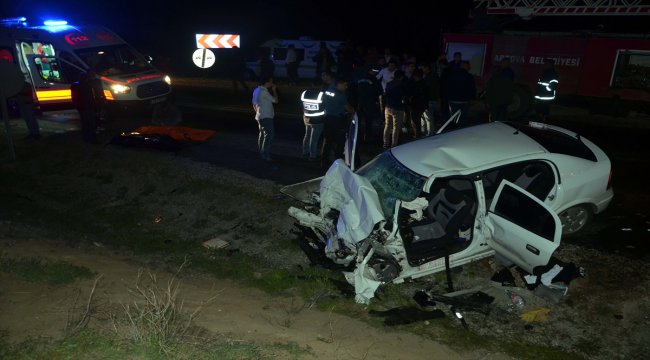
x=575, y=220
x=521, y=103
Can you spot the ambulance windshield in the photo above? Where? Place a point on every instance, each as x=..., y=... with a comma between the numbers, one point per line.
x=113, y=60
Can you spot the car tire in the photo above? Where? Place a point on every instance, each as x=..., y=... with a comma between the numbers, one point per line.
x=575, y=220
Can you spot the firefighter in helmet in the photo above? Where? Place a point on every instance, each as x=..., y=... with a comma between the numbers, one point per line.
x=546, y=87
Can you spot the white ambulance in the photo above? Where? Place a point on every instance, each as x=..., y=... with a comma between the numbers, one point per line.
x=54, y=55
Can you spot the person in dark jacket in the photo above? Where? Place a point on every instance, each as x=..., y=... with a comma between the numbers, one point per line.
x=267, y=67
x=324, y=60
x=88, y=98
x=499, y=90
x=337, y=108
x=432, y=113
x=419, y=101
x=460, y=91
x=25, y=102
x=368, y=92
x=395, y=105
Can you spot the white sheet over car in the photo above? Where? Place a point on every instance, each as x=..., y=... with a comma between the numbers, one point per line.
x=355, y=198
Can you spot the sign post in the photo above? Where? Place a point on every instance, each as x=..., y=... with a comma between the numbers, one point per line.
x=203, y=58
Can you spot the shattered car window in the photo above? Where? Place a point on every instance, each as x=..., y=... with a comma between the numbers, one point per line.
x=392, y=181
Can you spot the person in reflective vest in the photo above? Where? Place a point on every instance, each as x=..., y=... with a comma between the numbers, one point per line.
x=314, y=118
x=546, y=87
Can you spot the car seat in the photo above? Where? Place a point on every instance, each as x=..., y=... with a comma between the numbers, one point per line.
x=447, y=212
x=535, y=180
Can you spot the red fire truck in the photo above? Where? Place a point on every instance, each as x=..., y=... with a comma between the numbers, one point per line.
x=595, y=66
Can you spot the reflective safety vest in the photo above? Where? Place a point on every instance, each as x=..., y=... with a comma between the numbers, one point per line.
x=312, y=103
x=546, y=85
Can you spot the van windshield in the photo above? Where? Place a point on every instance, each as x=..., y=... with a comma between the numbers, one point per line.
x=113, y=60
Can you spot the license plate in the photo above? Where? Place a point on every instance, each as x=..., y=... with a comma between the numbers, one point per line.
x=311, y=107
x=158, y=100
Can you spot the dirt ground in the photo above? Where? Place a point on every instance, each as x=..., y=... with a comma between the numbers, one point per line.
x=237, y=313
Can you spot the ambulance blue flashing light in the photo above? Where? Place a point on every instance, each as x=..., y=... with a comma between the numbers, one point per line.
x=55, y=22
x=14, y=20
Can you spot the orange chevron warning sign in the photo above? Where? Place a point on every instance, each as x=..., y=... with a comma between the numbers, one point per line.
x=217, y=41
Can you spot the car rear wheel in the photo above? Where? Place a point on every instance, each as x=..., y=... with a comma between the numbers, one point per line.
x=575, y=219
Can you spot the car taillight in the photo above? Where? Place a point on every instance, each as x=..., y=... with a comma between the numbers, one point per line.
x=610, y=180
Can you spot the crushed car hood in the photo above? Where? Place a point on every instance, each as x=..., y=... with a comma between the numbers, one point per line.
x=356, y=200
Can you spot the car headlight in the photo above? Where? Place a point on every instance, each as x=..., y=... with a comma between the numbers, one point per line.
x=120, y=89
x=168, y=80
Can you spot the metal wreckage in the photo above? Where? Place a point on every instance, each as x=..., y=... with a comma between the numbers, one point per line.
x=450, y=199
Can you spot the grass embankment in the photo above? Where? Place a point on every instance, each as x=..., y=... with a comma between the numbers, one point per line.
x=160, y=209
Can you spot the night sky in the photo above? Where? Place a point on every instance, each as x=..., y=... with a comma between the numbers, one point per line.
x=158, y=24
x=168, y=28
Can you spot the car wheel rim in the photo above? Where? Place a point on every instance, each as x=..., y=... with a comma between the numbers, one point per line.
x=573, y=220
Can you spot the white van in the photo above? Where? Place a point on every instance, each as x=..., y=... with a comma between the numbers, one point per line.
x=306, y=49
x=53, y=56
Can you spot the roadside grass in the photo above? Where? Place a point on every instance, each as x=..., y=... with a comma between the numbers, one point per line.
x=91, y=344
x=54, y=193
x=43, y=270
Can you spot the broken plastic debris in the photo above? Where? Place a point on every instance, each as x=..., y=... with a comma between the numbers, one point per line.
x=535, y=315
x=216, y=243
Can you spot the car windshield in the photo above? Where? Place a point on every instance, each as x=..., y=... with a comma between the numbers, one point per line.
x=113, y=60
x=392, y=181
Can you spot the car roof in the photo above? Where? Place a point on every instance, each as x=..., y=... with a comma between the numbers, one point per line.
x=466, y=148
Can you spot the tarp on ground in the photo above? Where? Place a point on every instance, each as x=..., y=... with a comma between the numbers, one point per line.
x=179, y=133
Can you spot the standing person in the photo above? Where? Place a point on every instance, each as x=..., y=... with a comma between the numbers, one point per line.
x=432, y=86
x=25, y=102
x=267, y=67
x=264, y=96
x=368, y=90
x=443, y=72
x=292, y=64
x=386, y=75
x=88, y=98
x=336, y=121
x=237, y=68
x=419, y=102
x=457, y=60
x=314, y=117
x=499, y=90
x=461, y=90
x=546, y=86
x=324, y=60
x=394, y=114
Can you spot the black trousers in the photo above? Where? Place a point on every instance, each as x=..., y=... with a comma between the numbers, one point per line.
x=333, y=139
x=89, y=120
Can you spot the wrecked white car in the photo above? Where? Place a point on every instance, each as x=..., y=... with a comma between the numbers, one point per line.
x=453, y=198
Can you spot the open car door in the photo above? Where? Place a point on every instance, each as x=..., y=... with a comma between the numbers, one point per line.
x=524, y=230
x=50, y=84
x=351, y=143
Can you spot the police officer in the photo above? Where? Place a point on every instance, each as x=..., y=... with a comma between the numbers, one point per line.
x=546, y=86
x=314, y=117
